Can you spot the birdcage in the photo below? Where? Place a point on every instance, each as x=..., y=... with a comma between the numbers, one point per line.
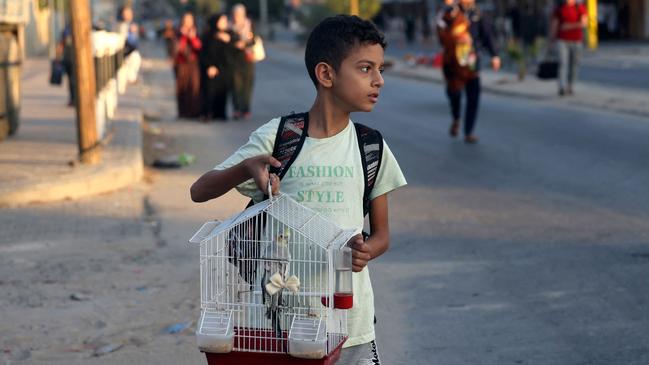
x=275, y=286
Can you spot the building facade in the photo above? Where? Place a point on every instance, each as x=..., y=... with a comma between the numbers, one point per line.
x=617, y=19
x=37, y=29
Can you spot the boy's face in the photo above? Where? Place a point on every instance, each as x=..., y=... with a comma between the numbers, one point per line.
x=358, y=81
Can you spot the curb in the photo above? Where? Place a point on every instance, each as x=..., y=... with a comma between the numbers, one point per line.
x=613, y=99
x=423, y=74
x=121, y=166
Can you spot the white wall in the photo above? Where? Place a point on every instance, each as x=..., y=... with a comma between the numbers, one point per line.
x=37, y=31
x=104, y=12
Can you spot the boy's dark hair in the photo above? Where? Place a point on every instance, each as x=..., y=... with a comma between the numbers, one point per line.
x=333, y=39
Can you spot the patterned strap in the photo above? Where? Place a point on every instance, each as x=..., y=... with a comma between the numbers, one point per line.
x=290, y=137
x=370, y=143
x=292, y=132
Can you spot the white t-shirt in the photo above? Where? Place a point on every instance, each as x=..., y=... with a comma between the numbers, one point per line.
x=327, y=176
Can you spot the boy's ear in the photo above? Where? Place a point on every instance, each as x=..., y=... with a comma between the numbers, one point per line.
x=325, y=74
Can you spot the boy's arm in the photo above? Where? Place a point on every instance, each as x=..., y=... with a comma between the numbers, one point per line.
x=215, y=183
x=379, y=240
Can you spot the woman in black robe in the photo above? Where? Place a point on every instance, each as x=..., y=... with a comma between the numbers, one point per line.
x=243, y=70
x=216, y=73
x=187, y=70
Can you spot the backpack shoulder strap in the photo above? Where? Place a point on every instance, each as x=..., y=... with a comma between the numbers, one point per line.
x=291, y=133
x=370, y=143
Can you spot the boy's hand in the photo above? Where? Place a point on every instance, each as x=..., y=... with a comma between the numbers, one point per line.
x=257, y=167
x=360, y=252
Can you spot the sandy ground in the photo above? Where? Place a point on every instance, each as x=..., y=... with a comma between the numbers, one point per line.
x=529, y=248
x=108, y=279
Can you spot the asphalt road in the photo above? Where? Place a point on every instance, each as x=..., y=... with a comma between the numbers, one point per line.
x=626, y=76
x=531, y=247
x=614, y=64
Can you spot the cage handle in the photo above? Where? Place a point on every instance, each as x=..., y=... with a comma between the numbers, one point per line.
x=270, y=188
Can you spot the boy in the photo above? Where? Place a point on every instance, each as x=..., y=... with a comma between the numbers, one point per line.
x=344, y=58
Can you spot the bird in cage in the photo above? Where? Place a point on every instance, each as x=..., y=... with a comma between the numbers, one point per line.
x=275, y=278
x=243, y=248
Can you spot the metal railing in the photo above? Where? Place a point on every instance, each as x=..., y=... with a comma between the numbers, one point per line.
x=110, y=76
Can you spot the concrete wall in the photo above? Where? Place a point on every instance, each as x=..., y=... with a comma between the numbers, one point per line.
x=37, y=31
x=104, y=12
x=638, y=21
x=40, y=34
x=638, y=25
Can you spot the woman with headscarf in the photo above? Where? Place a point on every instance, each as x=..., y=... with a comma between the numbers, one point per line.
x=187, y=69
x=129, y=31
x=243, y=73
x=168, y=34
x=215, y=67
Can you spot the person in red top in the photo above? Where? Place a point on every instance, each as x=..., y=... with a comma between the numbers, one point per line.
x=568, y=22
x=187, y=69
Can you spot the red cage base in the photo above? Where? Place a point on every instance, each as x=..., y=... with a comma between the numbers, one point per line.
x=250, y=358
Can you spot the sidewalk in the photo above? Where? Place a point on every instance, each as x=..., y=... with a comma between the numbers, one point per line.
x=36, y=162
x=626, y=58
x=631, y=101
x=587, y=94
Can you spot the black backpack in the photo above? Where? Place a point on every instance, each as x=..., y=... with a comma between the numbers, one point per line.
x=290, y=138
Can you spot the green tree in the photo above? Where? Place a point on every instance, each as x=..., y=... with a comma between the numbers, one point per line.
x=208, y=7
x=275, y=7
x=200, y=8
x=367, y=8
x=309, y=16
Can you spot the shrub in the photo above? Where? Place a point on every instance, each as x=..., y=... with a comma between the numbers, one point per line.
x=367, y=8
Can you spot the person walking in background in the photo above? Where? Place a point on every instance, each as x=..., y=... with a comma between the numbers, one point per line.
x=65, y=52
x=463, y=31
x=568, y=21
x=216, y=71
x=443, y=8
x=129, y=30
x=187, y=69
x=168, y=34
x=243, y=67
x=409, y=30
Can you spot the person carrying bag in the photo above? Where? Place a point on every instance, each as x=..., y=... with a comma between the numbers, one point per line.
x=567, y=30
x=56, y=72
x=548, y=69
x=256, y=52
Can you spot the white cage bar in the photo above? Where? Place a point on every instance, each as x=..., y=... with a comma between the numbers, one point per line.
x=238, y=255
